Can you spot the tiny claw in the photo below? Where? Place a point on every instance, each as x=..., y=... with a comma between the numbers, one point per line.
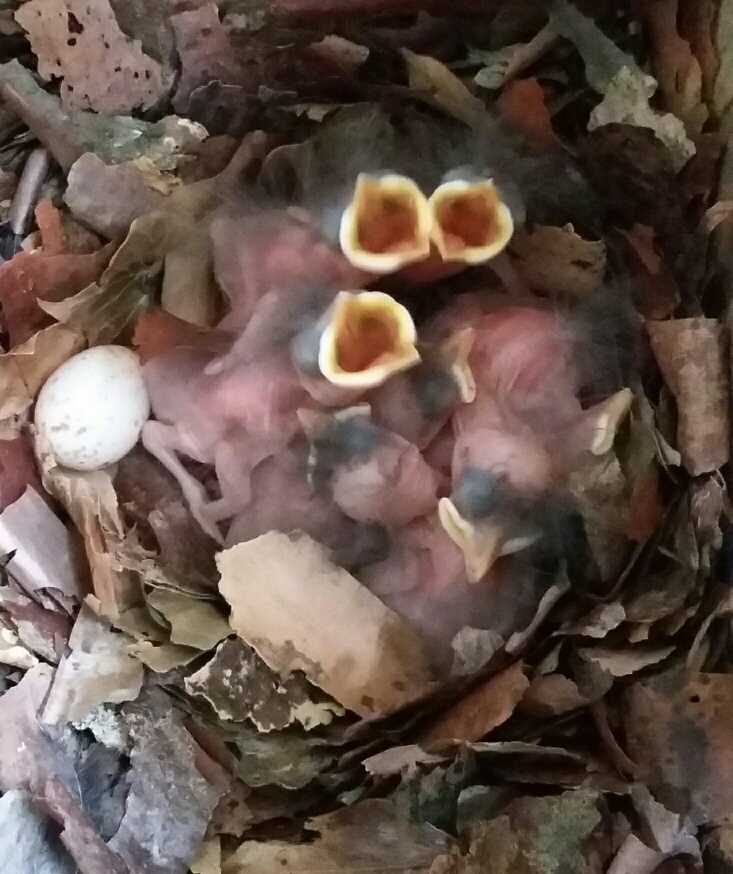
x=387, y=224
x=471, y=223
x=367, y=338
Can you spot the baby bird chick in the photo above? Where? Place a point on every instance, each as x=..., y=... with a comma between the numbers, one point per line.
x=517, y=442
x=418, y=403
x=373, y=474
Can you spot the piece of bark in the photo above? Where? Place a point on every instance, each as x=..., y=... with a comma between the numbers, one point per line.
x=692, y=355
x=299, y=611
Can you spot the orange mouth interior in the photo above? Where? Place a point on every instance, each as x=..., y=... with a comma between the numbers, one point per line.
x=386, y=221
x=468, y=219
x=364, y=336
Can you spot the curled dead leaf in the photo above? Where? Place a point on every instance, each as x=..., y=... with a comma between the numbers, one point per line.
x=368, y=835
x=98, y=670
x=522, y=102
x=482, y=710
x=661, y=294
x=558, y=261
x=24, y=369
x=109, y=198
x=676, y=67
x=91, y=501
x=679, y=732
x=433, y=81
x=551, y=695
x=100, y=68
x=692, y=355
x=33, y=276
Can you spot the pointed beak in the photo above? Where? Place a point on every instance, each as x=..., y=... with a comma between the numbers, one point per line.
x=470, y=222
x=367, y=338
x=455, y=352
x=482, y=542
x=611, y=414
x=387, y=224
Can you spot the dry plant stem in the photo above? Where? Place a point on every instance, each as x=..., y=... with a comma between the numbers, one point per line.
x=531, y=52
x=32, y=178
x=621, y=761
x=375, y=8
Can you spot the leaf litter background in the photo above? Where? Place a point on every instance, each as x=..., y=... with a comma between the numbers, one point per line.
x=139, y=732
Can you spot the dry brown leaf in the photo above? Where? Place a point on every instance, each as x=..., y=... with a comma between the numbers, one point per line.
x=240, y=686
x=205, y=52
x=189, y=291
x=558, y=261
x=31, y=276
x=679, y=732
x=24, y=369
x=46, y=553
x=109, y=198
x=676, y=68
x=599, y=621
x=91, y=501
x=549, y=835
x=208, y=858
x=692, y=355
x=432, y=80
x=646, y=509
x=158, y=331
x=696, y=21
x=523, y=103
x=661, y=294
x=99, y=670
x=669, y=834
x=367, y=836
x=551, y=695
x=398, y=759
x=194, y=623
x=482, y=710
x=624, y=662
x=80, y=42
x=719, y=212
x=301, y=612
x=601, y=491
x=627, y=103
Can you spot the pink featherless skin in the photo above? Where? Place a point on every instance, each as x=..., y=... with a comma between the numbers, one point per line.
x=392, y=485
x=423, y=579
x=232, y=420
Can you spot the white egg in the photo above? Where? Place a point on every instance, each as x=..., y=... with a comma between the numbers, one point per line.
x=92, y=409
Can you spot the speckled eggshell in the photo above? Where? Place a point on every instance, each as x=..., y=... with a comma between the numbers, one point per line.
x=92, y=409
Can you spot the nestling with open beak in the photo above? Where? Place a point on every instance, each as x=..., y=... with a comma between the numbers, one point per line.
x=362, y=339
x=372, y=474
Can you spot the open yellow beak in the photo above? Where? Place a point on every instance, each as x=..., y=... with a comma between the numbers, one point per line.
x=368, y=337
x=470, y=222
x=482, y=542
x=387, y=224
